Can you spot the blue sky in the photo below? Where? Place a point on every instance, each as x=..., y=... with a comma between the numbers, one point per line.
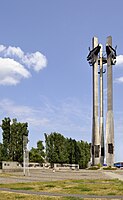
x=45, y=79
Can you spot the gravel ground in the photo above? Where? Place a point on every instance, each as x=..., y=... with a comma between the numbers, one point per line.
x=49, y=175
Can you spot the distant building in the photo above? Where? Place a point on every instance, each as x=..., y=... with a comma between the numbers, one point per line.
x=58, y=166
x=16, y=166
x=11, y=166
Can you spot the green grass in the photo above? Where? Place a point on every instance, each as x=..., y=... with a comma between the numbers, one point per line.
x=85, y=187
x=20, y=197
x=71, y=198
x=22, y=188
x=50, y=186
x=15, y=196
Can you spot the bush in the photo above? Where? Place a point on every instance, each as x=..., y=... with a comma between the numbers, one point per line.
x=109, y=168
x=94, y=168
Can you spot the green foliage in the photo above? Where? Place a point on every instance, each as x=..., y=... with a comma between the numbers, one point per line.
x=13, y=133
x=56, y=151
x=37, y=154
x=84, y=154
x=6, y=138
x=109, y=168
x=23, y=188
x=58, y=148
x=73, y=151
x=99, y=165
x=1, y=151
x=93, y=168
x=64, y=150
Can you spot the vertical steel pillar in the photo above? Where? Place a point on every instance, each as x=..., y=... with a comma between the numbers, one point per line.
x=95, y=125
x=101, y=121
x=109, y=117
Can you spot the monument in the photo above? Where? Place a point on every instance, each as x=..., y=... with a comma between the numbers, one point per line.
x=101, y=119
x=93, y=60
x=96, y=60
x=111, y=60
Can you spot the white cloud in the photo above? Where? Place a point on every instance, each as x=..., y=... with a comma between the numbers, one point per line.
x=11, y=72
x=37, y=122
x=15, y=64
x=2, y=48
x=10, y=108
x=13, y=51
x=36, y=60
x=23, y=113
x=119, y=60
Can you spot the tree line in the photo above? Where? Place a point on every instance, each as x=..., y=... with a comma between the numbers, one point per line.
x=66, y=150
x=55, y=149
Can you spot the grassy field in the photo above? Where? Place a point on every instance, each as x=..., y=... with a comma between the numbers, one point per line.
x=10, y=196
x=15, y=196
x=84, y=187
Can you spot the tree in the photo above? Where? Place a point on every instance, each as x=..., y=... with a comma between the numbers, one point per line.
x=73, y=150
x=13, y=133
x=1, y=151
x=6, y=138
x=87, y=153
x=77, y=152
x=58, y=148
x=84, y=154
x=66, y=150
x=22, y=131
x=56, y=151
x=37, y=154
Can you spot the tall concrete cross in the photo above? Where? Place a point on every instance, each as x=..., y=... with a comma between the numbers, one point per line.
x=98, y=146
x=93, y=60
x=101, y=118
x=111, y=58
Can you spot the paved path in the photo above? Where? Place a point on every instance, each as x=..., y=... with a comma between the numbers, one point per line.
x=48, y=175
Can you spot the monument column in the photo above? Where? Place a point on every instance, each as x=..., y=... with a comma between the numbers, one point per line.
x=109, y=117
x=95, y=120
x=101, y=121
x=97, y=147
